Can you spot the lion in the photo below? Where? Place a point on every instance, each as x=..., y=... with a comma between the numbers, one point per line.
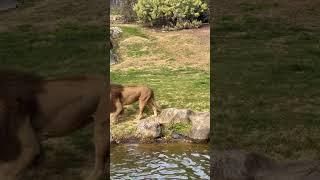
x=33, y=109
x=126, y=95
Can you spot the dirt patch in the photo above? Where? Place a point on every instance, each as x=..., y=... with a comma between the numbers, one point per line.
x=185, y=48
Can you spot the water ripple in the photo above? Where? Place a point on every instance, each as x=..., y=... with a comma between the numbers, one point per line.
x=160, y=161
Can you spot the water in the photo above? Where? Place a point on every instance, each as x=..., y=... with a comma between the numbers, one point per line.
x=160, y=161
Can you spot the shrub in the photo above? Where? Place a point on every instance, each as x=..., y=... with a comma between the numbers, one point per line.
x=171, y=14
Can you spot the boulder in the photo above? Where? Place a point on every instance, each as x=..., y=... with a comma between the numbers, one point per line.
x=115, y=32
x=173, y=115
x=149, y=128
x=200, y=121
x=242, y=165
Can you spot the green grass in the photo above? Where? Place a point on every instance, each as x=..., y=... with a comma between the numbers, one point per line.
x=266, y=87
x=69, y=50
x=180, y=88
x=180, y=128
x=132, y=31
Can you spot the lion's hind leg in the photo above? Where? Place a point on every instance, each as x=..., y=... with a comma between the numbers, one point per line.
x=142, y=105
x=153, y=105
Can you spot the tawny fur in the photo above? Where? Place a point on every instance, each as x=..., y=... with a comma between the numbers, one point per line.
x=33, y=109
x=126, y=95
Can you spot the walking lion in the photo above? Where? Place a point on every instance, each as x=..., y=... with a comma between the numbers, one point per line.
x=125, y=95
x=33, y=109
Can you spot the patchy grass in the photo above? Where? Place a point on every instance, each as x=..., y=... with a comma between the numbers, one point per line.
x=143, y=48
x=266, y=83
x=137, y=50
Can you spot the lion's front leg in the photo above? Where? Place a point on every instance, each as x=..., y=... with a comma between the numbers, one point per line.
x=101, y=152
x=29, y=149
x=101, y=131
x=119, y=110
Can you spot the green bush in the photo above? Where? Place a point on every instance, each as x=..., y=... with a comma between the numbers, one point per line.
x=171, y=14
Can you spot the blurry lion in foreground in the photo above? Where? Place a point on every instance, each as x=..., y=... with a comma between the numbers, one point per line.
x=33, y=109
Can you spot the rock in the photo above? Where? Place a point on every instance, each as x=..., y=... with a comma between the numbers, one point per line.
x=200, y=121
x=177, y=136
x=200, y=126
x=113, y=58
x=149, y=127
x=173, y=115
x=241, y=165
x=115, y=32
x=8, y=4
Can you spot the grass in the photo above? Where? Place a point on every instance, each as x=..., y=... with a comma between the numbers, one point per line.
x=71, y=49
x=181, y=88
x=180, y=128
x=137, y=50
x=132, y=31
x=266, y=85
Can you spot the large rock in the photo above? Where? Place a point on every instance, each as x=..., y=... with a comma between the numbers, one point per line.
x=200, y=121
x=149, y=128
x=241, y=165
x=8, y=4
x=115, y=32
x=173, y=115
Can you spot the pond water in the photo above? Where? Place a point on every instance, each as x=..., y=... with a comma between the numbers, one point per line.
x=160, y=161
